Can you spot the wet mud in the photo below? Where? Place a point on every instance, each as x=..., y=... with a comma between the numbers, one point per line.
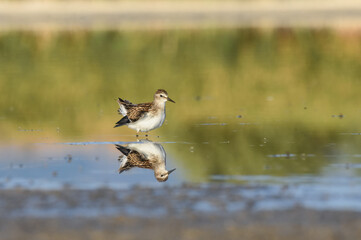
x=97, y=214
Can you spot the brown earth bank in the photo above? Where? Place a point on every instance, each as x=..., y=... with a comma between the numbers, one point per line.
x=294, y=224
x=70, y=15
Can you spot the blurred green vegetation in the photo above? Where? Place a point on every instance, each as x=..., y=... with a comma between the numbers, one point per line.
x=287, y=82
x=70, y=79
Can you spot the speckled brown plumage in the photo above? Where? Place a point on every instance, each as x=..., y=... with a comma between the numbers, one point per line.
x=135, y=159
x=161, y=91
x=135, y=111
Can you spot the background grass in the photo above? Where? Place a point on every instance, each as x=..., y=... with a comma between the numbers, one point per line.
x=63, y=78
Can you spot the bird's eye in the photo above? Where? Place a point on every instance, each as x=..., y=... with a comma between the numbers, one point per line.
x=161, y=95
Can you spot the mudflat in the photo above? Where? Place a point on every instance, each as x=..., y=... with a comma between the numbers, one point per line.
x=150, y=213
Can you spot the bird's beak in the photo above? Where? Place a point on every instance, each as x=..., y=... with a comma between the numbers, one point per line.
x=170, y=171
x=170, y=100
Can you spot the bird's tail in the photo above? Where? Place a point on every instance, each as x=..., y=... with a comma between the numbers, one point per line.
x=122, y=122
x=123, y=150
x=121, y=101
x=122, y=109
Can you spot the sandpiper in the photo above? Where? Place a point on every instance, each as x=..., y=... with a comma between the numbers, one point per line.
x=145, y=154
x=144, y=117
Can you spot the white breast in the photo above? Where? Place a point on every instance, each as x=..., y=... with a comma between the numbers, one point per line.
x=148, y=122
x=149, y=149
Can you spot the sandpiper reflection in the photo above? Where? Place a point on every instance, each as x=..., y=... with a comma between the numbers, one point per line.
x=144, y=154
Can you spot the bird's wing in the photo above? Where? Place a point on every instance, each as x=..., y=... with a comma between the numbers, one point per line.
x=124, y=106
x=138, y=111
x=137, y=159
x=125, y=102
x=124, y=150
x=124, y=164
x=134, y=159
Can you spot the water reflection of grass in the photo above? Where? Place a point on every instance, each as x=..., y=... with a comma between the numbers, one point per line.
x=275, y=149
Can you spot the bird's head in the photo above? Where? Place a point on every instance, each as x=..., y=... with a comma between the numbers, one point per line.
x=162, y=176
x=162, y=96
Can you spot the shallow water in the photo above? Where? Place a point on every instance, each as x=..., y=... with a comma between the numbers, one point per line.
x=277, y=110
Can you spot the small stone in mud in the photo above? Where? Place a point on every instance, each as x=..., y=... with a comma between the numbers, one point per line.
x=69, y=158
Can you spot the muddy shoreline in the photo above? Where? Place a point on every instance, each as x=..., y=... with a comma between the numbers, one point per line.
x=99, y=214
x=295, y=224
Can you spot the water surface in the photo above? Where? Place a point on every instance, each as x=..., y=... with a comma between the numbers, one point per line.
x=272, y=108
